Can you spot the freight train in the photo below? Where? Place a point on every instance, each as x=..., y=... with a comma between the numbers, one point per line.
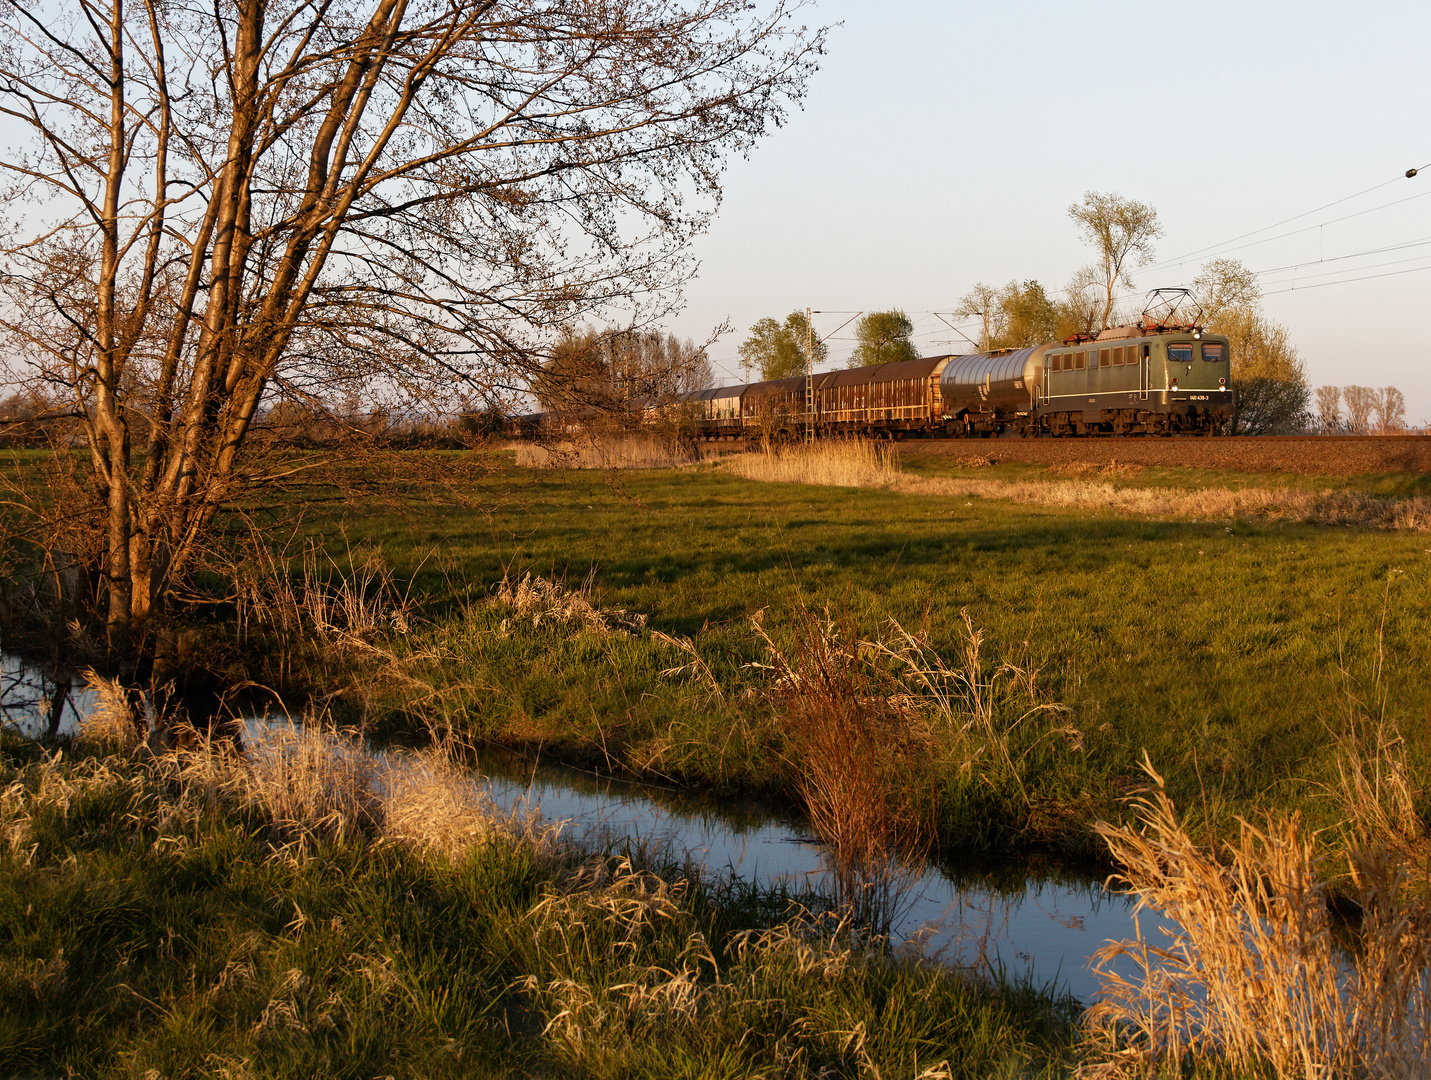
x=1161, y=376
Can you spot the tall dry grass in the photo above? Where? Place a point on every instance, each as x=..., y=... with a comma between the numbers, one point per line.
x=1277, y=504
x=1254, y=977
x=608, y=452
x=856, y=463
x=858, y=753
x=834, y=462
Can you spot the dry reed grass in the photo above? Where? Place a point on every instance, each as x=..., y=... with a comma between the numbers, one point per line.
x=311, y=593
x=608, y=452
x=1277, y=504
x=537, y=600
x=853, y=463
x=308, y=781
x=1254, y=977
x=834, y=462
x=857, y=754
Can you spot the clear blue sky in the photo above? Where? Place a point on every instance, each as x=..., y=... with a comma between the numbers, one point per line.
x=941, y=145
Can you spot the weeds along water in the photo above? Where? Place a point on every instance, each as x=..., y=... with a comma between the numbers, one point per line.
x=304, y=907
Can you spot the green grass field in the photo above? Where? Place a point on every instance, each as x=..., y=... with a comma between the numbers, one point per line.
x=1229, y=652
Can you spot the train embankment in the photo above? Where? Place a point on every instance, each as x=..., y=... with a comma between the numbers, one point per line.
x=1334, y=455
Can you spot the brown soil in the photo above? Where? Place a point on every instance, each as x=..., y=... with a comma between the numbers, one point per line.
x=1336, y=455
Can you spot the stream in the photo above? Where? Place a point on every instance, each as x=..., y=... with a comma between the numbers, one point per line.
x=1029, y=918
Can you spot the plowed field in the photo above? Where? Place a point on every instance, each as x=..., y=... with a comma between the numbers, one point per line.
x=1335, y=455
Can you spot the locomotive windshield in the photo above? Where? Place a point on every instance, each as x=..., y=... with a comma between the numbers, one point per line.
x=1212, y=352
x=1180, y=354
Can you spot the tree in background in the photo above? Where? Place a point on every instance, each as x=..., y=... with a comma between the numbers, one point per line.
x=1030, y=317
x=1077, y=312
x=1122, y=231
x=617, y=371
x=1361, y=402
x=1013, y=317
x=883, y=338
x=1329, y=409
x=1267, y=375
x=1389, y=411
x=223, y=202
x=778, y=350
x=982, y=302
x=1225, y=285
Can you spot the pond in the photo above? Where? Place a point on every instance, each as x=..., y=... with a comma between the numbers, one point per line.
x=1030, y=918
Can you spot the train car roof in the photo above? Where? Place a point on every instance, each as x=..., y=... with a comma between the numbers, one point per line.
x=921, y=368
x=971, y=370
x=728, y=391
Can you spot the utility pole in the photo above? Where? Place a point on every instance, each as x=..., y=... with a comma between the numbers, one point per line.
x=809, y=377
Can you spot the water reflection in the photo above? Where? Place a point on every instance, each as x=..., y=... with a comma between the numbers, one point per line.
x=36, y=703
x=1030, y=918
x=1037, y=919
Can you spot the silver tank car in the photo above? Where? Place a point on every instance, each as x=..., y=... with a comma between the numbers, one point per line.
x=991, y=390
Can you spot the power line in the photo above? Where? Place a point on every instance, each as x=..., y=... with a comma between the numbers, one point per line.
x=1409, y=174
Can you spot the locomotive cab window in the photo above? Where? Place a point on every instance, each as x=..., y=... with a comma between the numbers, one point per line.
x=1213, y=352
x=1180, y=354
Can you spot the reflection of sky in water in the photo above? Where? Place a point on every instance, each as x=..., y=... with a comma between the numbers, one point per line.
x=25, y=694
x=1044, y=926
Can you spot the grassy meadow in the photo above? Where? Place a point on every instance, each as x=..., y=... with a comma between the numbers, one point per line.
x=1231, y=712
x=1232, y=652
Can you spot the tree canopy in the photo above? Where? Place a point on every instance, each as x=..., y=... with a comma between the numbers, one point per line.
x=1122, y=232
x=883, y=338
x=778, y=350
x=395, y=197
x=620, y=370
x=1267, y=374
x=1014, y=317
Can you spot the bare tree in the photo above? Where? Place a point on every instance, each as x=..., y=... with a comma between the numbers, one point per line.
x=1122, y=230
x=1079, y=308
x=384, y=197
x=1389, y=410
x=1361, y=401
x=1223, y=286
x=1329, y=408
x=982, y=302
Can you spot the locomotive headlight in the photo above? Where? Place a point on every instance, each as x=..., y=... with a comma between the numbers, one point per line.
x=1222, y=384
x=1175, y=383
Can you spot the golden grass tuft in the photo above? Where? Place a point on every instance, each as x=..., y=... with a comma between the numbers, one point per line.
x=110, y=724
x=1254, y=976
x=834, y=462
x=857, y=753
x=857, y=463
x=607, y=452
x=309, y=781
x=536, y=600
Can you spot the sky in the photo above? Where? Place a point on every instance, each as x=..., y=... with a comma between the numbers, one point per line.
x=941, y=145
